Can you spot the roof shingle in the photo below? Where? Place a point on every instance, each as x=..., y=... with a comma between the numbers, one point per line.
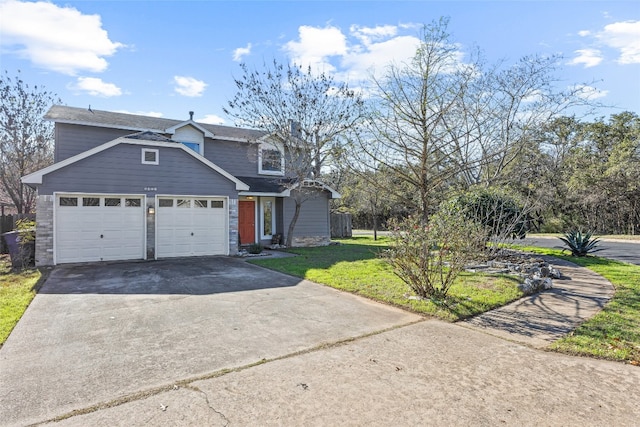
x=134, y=122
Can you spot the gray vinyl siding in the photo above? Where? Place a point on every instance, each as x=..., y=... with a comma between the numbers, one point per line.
x=237, y=158
x=119, y=170
x=313, y=219
x=75, y=139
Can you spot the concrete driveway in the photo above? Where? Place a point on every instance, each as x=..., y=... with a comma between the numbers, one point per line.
x=95, y=333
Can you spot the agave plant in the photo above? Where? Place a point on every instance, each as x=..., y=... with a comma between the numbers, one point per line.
x=580, y=244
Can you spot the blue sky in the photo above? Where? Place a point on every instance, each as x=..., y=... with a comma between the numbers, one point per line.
x=165, y=58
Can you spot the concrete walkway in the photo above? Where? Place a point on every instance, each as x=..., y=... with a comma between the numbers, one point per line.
x=540, y=319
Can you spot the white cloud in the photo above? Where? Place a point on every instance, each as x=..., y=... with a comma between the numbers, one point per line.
x=48, y=36
x=211, y=119
x=240, y=52
x=369, y=34
x=584, y=33
x=588, y=57
x=315, y=46
x=95, y=87
x=589, y=92
x=360, y=63
x=188, y=86
x=625, y=37
x=354, y=55
x=141, y=113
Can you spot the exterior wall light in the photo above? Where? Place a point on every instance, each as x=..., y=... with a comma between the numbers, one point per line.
x=151, y=210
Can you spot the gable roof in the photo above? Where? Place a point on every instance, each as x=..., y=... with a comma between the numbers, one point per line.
x=141, y=138
x=138, y=123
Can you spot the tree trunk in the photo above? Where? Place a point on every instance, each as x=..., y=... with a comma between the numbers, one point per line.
x=375, y=222
x=292, y=224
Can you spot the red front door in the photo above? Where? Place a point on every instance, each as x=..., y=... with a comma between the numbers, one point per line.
x=247, y=222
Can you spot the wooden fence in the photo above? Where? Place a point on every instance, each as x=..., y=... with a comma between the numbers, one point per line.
x=8, y=223
x=340, y=225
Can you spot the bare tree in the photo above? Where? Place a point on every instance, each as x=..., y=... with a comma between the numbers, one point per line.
x=441, y=121
x=25, y=138
x=307, y=114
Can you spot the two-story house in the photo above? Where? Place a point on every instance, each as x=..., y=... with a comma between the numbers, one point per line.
x=127, y=187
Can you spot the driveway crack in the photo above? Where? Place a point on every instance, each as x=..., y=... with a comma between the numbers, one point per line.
x=206, y=398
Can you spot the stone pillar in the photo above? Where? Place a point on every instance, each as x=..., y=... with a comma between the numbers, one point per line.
x=233, y=226
x=151, y=227
x=44, y=230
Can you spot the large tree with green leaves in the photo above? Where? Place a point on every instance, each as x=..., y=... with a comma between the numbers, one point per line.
x=26, y=139
x=308, y=114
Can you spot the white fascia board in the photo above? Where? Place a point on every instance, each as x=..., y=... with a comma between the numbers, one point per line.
x=230, y=138
x=191, y=123
x=36, y=177
x=285, y=193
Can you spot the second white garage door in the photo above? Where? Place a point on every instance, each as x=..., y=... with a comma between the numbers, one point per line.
x=191, y=226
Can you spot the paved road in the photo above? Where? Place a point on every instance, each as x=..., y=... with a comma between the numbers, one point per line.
x=621, y=250
x=626, y=251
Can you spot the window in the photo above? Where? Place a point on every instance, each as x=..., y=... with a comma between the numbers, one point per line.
x=183, y=203
x=195, y=146
x=150, y=156
x=112, y=201
x=217, y=204
x=90, y=201
x=267, y=217
x=133, y=203
x=68, y=201
x=199, y=203
x=165, y=203
x=271, y=161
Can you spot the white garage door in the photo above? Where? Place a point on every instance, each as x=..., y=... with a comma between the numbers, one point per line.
x=191, y=226
x=94, y=227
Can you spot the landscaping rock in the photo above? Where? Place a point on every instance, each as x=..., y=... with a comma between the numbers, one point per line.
x=536, y=273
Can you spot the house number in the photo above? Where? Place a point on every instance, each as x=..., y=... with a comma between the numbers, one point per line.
x=150, y=188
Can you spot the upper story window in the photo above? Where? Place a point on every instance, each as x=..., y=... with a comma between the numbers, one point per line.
x=271, y=160
x=190, y=137
x=195, y=146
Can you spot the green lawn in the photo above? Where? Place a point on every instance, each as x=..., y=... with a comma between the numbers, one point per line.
x=16, y=292
x=613, y=333
x=355, y=267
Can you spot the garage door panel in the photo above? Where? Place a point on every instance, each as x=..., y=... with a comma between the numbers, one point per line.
x=99, y=233
x=190, y=227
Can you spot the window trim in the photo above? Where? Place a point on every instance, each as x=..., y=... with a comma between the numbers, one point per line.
x=267, y=147
x=150, y=150
x=263, y=200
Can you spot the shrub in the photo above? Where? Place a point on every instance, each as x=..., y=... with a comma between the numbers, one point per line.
x=428, y=257
x=500, y=214
x=580, y=244
x=255, y=248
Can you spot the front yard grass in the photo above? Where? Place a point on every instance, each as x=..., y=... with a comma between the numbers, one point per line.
x=17, y=289
x=613, y=333
x=354, y=267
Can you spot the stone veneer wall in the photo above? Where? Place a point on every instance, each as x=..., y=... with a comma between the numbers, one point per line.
x=233, y=226
x=44, y=230
x=151, y=228
x=310, y=241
